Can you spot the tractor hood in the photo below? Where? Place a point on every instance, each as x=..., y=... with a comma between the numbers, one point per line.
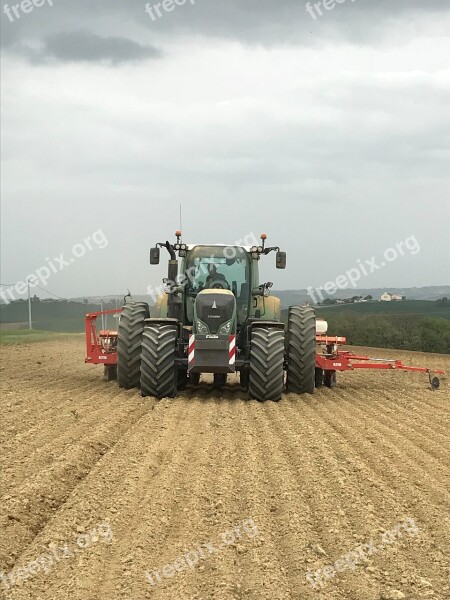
x=215, y=312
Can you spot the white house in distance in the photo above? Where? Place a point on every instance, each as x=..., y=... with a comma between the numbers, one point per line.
x=386, y=297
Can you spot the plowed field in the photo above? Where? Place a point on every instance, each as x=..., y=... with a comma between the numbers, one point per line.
x=106, y=495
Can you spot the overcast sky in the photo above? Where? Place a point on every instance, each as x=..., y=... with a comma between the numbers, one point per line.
x=331, y=134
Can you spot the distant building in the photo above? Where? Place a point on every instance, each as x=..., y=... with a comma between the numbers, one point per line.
x=386, y=297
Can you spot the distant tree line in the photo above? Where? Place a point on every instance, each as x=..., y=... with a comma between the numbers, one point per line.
x=443, y=301
x=52, y=315
x=405, y=332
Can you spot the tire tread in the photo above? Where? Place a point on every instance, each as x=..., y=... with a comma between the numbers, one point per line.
x=158, y=368
x=266, y=364
x=301, y=350
x=131, y=327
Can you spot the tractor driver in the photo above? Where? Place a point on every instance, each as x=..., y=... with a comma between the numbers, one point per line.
x=214, y=277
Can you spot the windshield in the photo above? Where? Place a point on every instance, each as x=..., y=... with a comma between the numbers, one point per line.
x=216, y=267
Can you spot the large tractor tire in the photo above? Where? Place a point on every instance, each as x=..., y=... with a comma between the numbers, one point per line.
x=131, y=327
x=266, y=376
x=301, y=350
x=158, y=367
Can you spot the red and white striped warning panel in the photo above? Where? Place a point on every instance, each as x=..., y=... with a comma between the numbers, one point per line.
x=191, y=350
x=232, y=351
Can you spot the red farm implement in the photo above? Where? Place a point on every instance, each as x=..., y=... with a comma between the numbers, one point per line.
x=332, y=360
x=101, y=346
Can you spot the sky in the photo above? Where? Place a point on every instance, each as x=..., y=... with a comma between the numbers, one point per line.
x=327, y=129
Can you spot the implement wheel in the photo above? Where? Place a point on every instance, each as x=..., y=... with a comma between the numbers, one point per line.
x=301, y=350
x=319, y=377
x=110, y=372
x=330, y=379
x=131, y=327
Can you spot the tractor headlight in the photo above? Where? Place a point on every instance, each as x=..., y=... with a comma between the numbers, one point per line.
x=225, y=328
x=201, y=327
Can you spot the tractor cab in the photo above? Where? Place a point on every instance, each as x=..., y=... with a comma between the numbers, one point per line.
x=224, y=275
x=228, y=270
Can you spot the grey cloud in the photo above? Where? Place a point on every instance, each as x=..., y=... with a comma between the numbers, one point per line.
x=320, y=134
x=83, y=46
x=265, y=22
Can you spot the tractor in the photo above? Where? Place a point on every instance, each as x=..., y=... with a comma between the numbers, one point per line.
x=216, y=317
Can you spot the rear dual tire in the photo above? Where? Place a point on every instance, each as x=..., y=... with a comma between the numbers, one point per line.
x=301, y=350
x=131, y=327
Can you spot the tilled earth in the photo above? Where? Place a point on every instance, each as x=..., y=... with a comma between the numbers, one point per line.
x=107, y=496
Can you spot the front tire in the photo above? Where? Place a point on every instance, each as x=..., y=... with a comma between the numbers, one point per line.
x=266, y=376
x=158, y=368
x=301, y=350
x=131, y=327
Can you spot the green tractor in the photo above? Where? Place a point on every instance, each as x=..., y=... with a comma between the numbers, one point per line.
x=216, y=317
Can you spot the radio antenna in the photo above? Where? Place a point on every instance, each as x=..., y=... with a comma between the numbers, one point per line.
x=181, y=218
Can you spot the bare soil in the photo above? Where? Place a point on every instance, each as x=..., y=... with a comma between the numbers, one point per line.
x=270, y=492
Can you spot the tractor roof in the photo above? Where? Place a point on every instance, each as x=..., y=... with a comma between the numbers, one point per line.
x=192, y=246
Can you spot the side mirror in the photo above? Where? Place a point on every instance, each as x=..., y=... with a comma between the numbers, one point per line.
x=154, y=256
x=281, y=260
